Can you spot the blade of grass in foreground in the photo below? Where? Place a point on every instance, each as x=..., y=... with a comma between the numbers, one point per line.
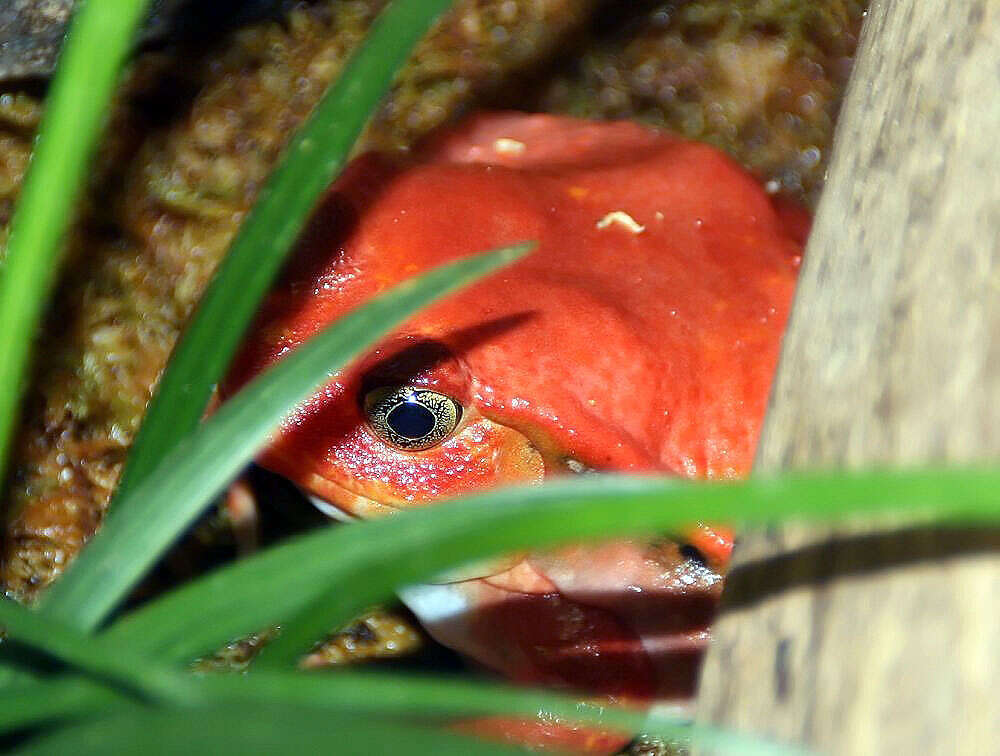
x=166, y=501
x=127, y=672
x=251, y=729
x=342, y=570
x=119, y=678
x=99, y=39
x=642, y=515
x=28, y=705
x=104, y=660
x=419, y=698
x=384, y=695
x=313, y=159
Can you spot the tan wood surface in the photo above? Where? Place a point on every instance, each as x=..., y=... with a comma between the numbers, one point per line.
x=886, y=643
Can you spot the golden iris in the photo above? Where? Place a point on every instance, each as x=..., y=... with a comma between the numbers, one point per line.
x=411, y=418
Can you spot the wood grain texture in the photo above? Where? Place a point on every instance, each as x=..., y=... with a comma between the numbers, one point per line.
x=885, y=643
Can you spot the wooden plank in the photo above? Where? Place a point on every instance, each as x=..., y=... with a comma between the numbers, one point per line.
x=886, y=643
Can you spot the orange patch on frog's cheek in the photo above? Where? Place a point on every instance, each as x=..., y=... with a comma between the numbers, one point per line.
x=366, y=477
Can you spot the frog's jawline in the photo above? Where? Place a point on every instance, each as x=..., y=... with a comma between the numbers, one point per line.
x=474, y=571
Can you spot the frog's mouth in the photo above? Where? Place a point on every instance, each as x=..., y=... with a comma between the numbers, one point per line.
x=354, y=506
x=710, y=545
x=484, y=568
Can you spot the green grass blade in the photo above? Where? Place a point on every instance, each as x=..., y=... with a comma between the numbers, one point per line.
x=376, y=695
x=413, y=697
x=107, y=660
x=347, y=568
x=13, y=673
x=62, y=698
x=161, y=506
x=313, y=159
x=262, y=729
x=98, y=41
x=420, y=698
x=128, y=672
x=594, y=517
x=383, y=695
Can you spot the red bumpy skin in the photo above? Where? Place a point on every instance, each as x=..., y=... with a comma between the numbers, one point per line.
x=641, y=336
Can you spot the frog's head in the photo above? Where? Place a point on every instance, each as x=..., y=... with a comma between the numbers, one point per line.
x=641, y=336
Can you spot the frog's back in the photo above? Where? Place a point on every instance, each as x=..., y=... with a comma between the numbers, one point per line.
x=641, y=335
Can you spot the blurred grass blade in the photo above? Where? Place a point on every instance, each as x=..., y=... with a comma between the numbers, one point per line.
x=420, y=698
x=99, y=38
x=377, y=695
x=313, y=159
x=387, y=696
x=252, y=729
x=128, y=673
x=106, y=660
x=62, y=698
x=164, y=503
x=427, y=698
x=346, y=568
x=647, y=512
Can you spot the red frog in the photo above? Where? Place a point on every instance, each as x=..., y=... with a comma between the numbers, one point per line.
x=640, y=337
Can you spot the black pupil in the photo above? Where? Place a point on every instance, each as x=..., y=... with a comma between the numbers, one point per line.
x=410, y=420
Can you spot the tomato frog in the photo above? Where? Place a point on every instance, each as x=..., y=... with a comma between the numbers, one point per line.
x=641, y=336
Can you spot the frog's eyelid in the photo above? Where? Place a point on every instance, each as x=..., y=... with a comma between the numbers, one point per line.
x=376, y=395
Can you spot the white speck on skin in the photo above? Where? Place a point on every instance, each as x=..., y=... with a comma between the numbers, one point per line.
x=622, y=219
x=658, y=215
x=507, y=146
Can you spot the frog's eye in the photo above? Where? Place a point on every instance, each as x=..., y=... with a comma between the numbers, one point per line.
x=411, y=418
